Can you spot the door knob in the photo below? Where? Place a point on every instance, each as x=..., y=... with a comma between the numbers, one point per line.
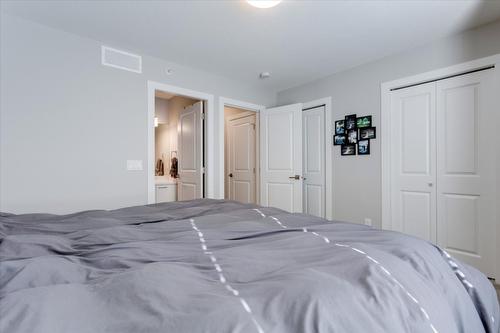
x=430, y=184
x=296, y=177
x=231, y=175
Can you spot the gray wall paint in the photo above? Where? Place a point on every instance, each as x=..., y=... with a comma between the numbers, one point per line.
x=68, y=124
x=357, y=180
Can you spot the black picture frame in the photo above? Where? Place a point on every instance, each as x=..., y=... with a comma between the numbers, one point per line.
x=339, y=127
x=352, y=136
x=364, y=147
x=367, y=133
x=363, y=122
x=350, y=122
x=339, y=140
x=348, y=150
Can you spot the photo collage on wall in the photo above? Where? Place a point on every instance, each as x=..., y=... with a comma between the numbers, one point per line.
x=353, y=135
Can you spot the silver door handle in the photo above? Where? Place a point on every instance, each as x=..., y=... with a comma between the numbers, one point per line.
x=296, y=177
x=430, y=184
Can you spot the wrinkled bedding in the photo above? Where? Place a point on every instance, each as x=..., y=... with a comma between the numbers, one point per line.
x=222, y=266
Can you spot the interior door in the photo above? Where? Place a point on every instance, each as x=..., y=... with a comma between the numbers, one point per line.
x=190, y=150
x=413, y=165
x=281, y=157
x=241, y=159
x=466, y=168
x=313, y=131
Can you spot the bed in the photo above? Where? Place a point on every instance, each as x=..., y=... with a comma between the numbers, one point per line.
x=223, y=266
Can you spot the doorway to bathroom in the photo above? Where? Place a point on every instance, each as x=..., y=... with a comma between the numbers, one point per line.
x=178, y=150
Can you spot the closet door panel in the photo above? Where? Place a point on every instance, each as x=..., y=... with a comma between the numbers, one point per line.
x=459, y=121
x=461, y=217
x=466, y=169
x=413, y=207
x=416, y=214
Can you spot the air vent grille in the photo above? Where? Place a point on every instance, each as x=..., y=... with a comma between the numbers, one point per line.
x=121, y=59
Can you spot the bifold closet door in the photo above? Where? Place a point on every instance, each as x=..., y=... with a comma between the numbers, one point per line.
x=413, y=165
x=466, y=167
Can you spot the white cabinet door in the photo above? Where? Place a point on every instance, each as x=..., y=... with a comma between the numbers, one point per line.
x=190, y=145
x=241, y=159
x=413, y=165
x=281, y=157
x=466, y=143
x=313, y=125
x=166, y=193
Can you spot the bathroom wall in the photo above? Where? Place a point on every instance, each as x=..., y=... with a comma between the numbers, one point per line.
x=161, y=109
x=162, y=139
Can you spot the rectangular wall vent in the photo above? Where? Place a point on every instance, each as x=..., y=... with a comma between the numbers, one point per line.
x=121, y=59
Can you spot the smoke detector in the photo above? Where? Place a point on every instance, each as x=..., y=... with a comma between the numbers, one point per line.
x=264, y=75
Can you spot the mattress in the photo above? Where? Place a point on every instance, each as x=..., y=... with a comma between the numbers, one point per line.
x=223, y=266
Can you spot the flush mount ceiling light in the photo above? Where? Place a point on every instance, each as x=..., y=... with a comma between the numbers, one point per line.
x=263, y=3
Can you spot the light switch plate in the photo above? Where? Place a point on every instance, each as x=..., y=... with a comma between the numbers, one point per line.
x=134, y=165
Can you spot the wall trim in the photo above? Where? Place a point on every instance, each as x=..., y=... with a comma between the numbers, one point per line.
x=327, y=102
x=210, y=131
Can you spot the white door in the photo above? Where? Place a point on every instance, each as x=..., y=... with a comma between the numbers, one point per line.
x=413, y=165
x=241, y=159
x=281, y=157
x=190, y=146
x=313, y=131
x=466, y=143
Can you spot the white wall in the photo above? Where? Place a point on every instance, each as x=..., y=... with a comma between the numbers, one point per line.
x=357, y=180
x=68, y=124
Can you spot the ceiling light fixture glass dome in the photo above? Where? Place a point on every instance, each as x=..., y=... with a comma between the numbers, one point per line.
x=264, y=3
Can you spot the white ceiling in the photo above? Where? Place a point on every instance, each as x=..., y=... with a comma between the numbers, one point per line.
x=297, y=41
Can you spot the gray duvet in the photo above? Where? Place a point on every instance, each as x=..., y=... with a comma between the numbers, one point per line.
x=219, y=266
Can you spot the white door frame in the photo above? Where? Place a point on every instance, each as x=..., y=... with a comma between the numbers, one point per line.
x=327, y=102
x=210, y=131
x=386, y=125
x=223, y=102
